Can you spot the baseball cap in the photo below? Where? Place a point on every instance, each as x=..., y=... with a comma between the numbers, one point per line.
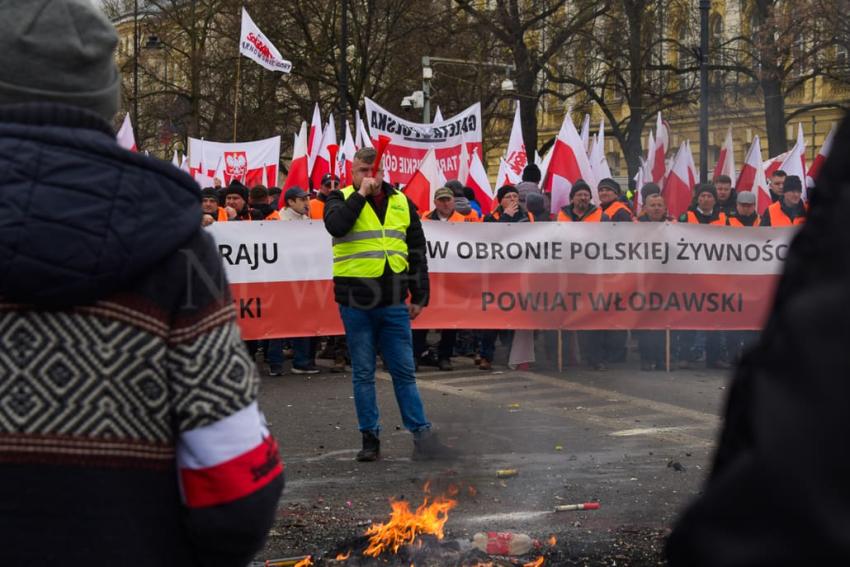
x=443, y=193
x=747, y=198
x=327, y=178
x=295, y=193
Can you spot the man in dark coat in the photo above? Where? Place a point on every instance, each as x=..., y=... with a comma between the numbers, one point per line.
x=778, y=492
x=129, y=426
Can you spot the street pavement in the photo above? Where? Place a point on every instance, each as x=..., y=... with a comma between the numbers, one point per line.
x=639, y=443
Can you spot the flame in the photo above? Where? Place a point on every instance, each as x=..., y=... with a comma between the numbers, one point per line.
x=488, y=564
x=306, y=562
x=344, y=556
x=404, y=525
x=553, y=540
x=426, y=488
x=536, y=563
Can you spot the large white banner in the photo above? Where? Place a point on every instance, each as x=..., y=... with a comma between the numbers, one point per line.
x=254, y=45
x=522, y=276
x=250, y=162
x=410, y=141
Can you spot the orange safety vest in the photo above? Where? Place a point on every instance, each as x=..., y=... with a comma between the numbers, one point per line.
x=595, y=216
x=779, y=218
x=317, y=209
x=733, y=221
x=274, y=215
x=222, y=214
x=721, y=219
x=497, y=215
x=456, y=216
x=471, y=216
x=616, y=207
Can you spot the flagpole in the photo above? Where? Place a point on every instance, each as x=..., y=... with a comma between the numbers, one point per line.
x=236, y=92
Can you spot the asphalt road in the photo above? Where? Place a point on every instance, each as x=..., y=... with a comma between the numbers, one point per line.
x=639, y=443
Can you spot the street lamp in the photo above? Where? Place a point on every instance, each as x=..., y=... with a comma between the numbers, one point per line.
x=428, y=62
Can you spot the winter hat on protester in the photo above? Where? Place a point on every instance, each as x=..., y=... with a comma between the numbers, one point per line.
x=531, y=173
x=209, y=193
x=58, y=52
x=649, y=189
x=236, y=188
x=611, y=184
x=536, y=204
x=456, y=187
x=579, y=185
x=746, y=198
x=793, y=183
x=504, y=190
x=705, y=188
x=259, y=193
x=462, y=205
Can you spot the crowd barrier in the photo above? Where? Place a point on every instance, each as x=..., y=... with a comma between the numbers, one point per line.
x=521, y=276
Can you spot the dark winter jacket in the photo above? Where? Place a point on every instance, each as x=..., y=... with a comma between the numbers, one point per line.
x=499, y=216
x=129, y=430
x=778, y=490
x=390, y=288
x=730, y=205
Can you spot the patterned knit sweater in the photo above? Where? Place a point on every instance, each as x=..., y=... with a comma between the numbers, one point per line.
x=129, y=426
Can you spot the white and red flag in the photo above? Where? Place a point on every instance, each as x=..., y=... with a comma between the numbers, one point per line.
x=254, y=45
x=425, y=182
x=346, y=157
x=322, y=163
x=506, y=175
x=752, y=177
x=795, y=162
x=678, y=187
x=544, y=162
x=480, y=184
x=242, y=160
x=297, y=176
x=726, y=160
x=515, y=156
x=659, y=151
x=314, y=137
x=585, y=133
x=175, y=160
x=126, y=138
x=812, y=174
x=598, y=161
x=569, y=164
x=693, y=174
x=463, y=166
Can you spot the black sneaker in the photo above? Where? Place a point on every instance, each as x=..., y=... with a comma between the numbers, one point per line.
x=446, y=365
x=371, y=450
x=427, y=447
x=275, y=369
x=310, y=369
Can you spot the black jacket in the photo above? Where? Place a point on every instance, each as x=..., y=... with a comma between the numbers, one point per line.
x=730, y=207
x=778, y=490
x=124, y=342
x=390, y=288
x=499, y=216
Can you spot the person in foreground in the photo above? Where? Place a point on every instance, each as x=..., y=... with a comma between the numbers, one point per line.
x=129, y=427
x=778, y=491
x=379, y=259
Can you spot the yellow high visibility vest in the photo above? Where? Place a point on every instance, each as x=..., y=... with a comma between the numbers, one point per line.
x=363, y=251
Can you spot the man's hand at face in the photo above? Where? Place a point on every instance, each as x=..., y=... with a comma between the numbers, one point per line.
x=512, y=208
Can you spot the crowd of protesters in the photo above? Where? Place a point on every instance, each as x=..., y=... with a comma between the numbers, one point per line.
x=713, y=203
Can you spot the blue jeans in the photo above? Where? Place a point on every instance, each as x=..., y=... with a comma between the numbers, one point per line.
x=387, y=329
x=304, y=352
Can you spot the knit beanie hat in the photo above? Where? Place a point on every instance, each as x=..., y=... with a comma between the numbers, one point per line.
x=579, y=185
x=649, y=189
x=793, y=183
x=705, y=188
x=504, y=190
x=611, y=184
x=58, y=51
x=259, y=193
x=209, y=193
x=462, y=205
x=531, y=173
x=236, y=188
x=456, y=187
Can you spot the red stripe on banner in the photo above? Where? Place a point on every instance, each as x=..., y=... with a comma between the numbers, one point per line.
x=528, y=301
x=232, y=479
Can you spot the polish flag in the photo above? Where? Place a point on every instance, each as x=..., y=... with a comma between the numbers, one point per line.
x=358, y=137
x=480, y=184
x=650, y=157
x=363, y=140
x=515, y=156
x=506, y=175
x=752, y=177
x=693, y=174
x=346, y=157
x=175, y=160
x=219, y=170
x=639, y=178
x=314, y=137
x=425, y=182
x=662, y=143
x=126, y=138
x=322, y=163
x=569, y=164
x=812, y=174
x=726, y=160
x=598, y=161
x=297, y=176
x=463, y=166
x=773, y=164
x=585, y=133
x=678, y=188
x=545, y=161
x=795, y=162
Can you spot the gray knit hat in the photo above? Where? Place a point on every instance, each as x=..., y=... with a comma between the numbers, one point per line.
x=58, y=51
